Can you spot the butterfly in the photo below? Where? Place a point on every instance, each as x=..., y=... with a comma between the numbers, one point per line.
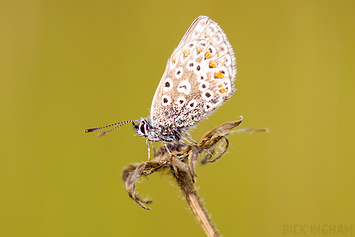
x=198, y=78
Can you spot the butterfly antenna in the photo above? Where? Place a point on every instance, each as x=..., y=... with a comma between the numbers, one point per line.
x=114, y=124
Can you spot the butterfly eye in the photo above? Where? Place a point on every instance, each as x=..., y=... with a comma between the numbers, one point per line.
x=142, y=128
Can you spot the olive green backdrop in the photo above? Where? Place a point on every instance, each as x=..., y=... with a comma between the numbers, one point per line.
x=70, y=65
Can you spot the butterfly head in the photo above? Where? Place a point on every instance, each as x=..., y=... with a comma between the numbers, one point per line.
x=142, y=127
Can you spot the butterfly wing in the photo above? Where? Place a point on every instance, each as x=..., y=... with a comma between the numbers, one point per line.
x=199, y=77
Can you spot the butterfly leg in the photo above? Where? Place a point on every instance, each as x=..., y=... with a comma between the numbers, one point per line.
x=151, y=143
x=148, y=147
x=192, y=161
x=188, y=138
x=167, y=148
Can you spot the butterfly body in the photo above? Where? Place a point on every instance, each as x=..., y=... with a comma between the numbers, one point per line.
x=144, y=128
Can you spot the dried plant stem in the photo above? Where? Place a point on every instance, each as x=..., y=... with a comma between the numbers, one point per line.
x=195, y=203
x=180, y=159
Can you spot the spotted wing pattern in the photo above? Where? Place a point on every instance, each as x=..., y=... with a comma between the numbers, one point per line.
x=199, y=77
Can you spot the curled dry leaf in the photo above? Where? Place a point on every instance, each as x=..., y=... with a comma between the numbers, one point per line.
x=183, y=157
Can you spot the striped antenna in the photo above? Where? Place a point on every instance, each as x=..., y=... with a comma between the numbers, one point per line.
x=114, y=124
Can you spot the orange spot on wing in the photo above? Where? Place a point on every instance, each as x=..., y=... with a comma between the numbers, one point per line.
x=213, y=64
x=224, y=90
x=186, y=53
x=218, y=75
x=199, y=49
x=208, y=55
x=220, y=85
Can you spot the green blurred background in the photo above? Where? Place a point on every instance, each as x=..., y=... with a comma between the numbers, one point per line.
x=71, y=65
